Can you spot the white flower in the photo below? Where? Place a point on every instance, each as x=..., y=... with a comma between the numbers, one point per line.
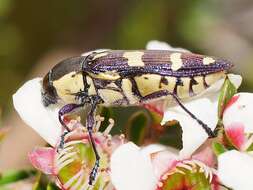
x=235, y=170
x=157, y=45
x=239, y=110
x=144, y=168
x=131, y=169
x=28, y=104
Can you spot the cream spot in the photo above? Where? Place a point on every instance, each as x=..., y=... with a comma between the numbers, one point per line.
x=127, y=89
x=109, y=75
x=68, y=85
x=148, y=83
x=91, y=89
x=134, y=58
x=176, y=61
x=112, y=85
x=212, y=78
x=110, y=96
x=208, y=60
x=183, y=91
x=200, y=87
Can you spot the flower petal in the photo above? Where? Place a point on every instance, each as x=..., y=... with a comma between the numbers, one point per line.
x=158, y=45
x=130, y=169
x=235, y=170
x=163, y=161
x=193, y=134
x=43, y=159
x=240, y=111
x=28, y=104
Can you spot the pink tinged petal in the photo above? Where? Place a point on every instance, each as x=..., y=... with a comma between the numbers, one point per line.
x=130, y=169
x=205, y=155
x=235, y=170
x=193, y=134
x=28, y=104
x=236, y=135
x=232, y=101
x=163, y=161
x=240, y=112
x=158, y=45
x=157, y=106
x=43, y=159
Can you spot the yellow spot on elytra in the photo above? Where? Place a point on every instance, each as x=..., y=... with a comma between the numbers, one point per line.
x=148, y=83
x=110, y=96
x=127, y=90
x=208, y=60
x=183, y=91
x=134, y=58
x=176, y=61
x=91, y=89
x=67, y=85
x=212, y=78
x=200, y=86
x=109, y=75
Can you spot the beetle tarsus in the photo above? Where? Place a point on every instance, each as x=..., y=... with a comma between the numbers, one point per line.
x=163, y=93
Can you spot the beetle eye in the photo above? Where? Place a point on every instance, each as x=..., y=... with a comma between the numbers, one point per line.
x=49, y=94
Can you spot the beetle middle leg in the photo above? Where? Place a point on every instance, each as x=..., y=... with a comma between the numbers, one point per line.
x=163, y=93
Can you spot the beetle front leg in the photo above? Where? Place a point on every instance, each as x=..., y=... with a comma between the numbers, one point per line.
x=164, y=93
x=63, y=111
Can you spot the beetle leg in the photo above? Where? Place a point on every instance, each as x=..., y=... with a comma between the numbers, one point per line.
x=163, y=93
x=63, y=111
x=90, y=124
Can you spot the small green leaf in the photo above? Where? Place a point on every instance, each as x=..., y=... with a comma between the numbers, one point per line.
x=172, y=135
x=227, y=92
x=218, y=148
x=13, y=176
x=137, y=126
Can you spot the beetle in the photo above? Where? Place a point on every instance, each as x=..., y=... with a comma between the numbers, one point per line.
x=126, y=78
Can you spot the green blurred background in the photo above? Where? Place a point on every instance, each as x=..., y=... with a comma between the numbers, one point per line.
x=34, y=35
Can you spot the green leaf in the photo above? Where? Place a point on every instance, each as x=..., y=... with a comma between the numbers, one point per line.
x=172, y=135
x=13, y=176
x=218, y=148
x=137, y=126
x=227, y=92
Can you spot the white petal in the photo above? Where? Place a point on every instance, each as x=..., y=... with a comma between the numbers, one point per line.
x=130, y=169
x=240, y=112
x=193, y=134
x=235, y=170
x=152, y=148
x=235, y=79
x=157, y=45
x=28, y=104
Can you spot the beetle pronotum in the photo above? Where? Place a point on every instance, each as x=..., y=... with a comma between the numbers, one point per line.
x=123, y=78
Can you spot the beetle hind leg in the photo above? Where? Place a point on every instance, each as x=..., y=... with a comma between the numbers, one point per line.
x=163, y=93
